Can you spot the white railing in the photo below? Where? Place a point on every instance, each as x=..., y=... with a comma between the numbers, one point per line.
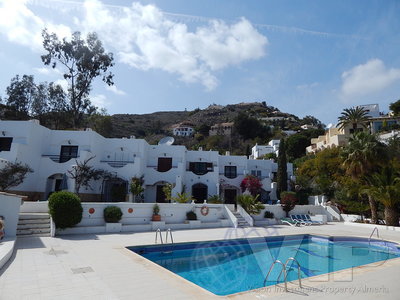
x=231, y=217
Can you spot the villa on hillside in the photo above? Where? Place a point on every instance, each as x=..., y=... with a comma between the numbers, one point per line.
x=183, y=129
x=335, y=137
x=52, y=153
x=221, y=129
x=258, y=151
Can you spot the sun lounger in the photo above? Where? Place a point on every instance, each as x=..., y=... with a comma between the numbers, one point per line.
x=294, y=218
x=290, y=222
x=314, y=222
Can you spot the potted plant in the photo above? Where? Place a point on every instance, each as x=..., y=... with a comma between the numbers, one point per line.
x=112, y=216
x=269, y=215
x=136, y=187
x=191, y=216
x=156, y=217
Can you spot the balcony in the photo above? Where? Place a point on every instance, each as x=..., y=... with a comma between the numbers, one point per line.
x=59, y=158
x=117, y=163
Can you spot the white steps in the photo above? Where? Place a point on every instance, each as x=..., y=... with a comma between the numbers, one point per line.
x=241, y=221
x=33, y=224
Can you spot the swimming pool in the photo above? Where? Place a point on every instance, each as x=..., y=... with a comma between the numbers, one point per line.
x=231, y=266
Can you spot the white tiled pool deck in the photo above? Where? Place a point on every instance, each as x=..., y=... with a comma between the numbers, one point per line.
x=100, y=267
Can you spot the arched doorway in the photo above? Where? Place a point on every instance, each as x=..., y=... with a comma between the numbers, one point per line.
x=199, y=192
x=115, y=190
x=55, y=183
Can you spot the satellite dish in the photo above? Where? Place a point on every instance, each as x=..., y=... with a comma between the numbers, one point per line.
x=168, y=141
x=329, y=125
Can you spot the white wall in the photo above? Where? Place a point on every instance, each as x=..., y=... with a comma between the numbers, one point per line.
x=9, y=210
x=298, y=209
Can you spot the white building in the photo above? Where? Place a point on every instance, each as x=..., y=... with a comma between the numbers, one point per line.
x=259, y=151
x=183, y=129
x=52, y=153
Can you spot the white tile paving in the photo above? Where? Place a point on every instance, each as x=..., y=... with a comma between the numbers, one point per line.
x=42, y=267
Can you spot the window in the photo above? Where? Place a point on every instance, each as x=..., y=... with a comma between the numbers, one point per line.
x=164, y=164
x=256, y=173
x=68, y=152
x=230, y=172
x=200, y=168
x=5, y=143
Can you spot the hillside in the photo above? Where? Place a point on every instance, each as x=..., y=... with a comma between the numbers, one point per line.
x=159, y=123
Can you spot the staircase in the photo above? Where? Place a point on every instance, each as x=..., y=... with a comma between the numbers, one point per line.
x=33, y=224
x=241, y=221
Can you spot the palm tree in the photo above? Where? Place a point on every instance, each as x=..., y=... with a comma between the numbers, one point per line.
x=385, y=187
x=363, y=155
x=353, y=116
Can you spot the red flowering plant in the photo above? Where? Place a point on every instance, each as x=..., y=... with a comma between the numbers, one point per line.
x=288, y=201
x=252, y=184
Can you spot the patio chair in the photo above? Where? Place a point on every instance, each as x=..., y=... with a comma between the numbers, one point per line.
x=309, y=219
x=294, y=218
x=290, y=222
x=300, y=217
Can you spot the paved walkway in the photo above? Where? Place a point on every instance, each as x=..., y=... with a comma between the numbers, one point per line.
x=100, y=267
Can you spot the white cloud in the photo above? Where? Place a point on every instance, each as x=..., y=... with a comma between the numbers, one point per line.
x=146, y=39
x=115, y=90
x=371, y=77
x=47, y=71
x=99, y=100
x=24, y=27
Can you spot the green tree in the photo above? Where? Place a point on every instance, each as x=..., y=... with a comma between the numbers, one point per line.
x=362, y=156
x=82, y=61
x=395, y=107
x=250, y=128
x=282, y=169
x=20, y=94
x=353, y=117
x=296, y=146
x=385, y=187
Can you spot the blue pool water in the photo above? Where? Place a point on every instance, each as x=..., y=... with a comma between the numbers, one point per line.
x=232, y=266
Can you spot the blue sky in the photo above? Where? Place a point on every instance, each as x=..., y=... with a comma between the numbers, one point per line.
x=304, y=57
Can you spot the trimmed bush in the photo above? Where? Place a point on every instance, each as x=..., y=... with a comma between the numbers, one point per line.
x=268, y=214
x=191, y=215
x=65, y=208
x=112, y=214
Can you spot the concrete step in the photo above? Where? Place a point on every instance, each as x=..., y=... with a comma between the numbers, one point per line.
x=33, y=225
x=33, y=221
x=35, y=234
x=30, y=216
x=32, y=231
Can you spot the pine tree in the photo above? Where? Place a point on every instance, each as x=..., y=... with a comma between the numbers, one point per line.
x=282, y=169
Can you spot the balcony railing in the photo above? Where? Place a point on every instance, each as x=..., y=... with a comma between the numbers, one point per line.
x=58, y=158
x=117, y=163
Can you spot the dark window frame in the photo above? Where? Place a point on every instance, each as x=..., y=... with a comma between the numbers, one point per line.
x=67, y=155
x=5, y=143
x=230, y=172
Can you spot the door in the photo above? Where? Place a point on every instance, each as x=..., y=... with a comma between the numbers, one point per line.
x=199, y=192
x=230, y=196
x=160, y=195
x=68, y=152
x=164, y=164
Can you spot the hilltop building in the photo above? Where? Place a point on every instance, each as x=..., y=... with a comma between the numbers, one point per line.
x=221, y=129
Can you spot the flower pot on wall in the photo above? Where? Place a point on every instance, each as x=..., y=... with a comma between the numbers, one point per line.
x=113, y=227
x=156, y=218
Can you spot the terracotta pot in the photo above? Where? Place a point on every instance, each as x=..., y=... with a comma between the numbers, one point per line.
x=156, y=218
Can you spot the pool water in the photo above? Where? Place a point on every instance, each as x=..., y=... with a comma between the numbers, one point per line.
x=232, y=266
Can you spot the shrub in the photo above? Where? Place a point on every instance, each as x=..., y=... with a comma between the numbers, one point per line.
x=65, y=208
x=288, y=201
x=215, y=199
x=112, y=214
x=250, y=204
x=268, y=214
x=156, y=209
x=191, y=215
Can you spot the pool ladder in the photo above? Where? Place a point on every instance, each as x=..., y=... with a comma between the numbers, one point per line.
x=372, y=233
x=285, y=271
x=159, y=233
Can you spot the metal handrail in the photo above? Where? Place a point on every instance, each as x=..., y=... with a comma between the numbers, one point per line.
x=158, y=231
x=283, y=269
x=372, y=233
x=170, y=234
x=298, y=269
